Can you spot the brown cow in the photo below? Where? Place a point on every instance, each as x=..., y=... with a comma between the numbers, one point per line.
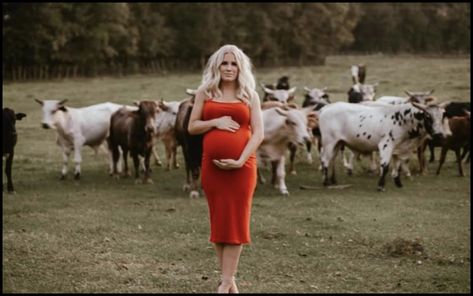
x=9, y=141
x=133, y=131
x=460, y=127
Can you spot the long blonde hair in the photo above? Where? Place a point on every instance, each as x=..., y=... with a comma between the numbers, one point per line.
x=211, y=77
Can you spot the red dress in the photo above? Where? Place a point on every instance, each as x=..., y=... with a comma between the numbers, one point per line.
x=229, y=192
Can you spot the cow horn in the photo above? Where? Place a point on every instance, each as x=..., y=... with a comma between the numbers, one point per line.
x=431, y=92
x=39, y=101
x=62, y=102
x=268, y=91
x=444, y=104
x=307, y=89
x=281, y=111
x=191, y=92
x=136, y=103
x=408, y=93
x=292, y=90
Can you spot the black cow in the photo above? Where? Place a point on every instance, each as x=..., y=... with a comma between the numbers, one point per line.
x=9, y=141
x=191, y=145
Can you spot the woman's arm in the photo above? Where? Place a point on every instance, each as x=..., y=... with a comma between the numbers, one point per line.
x=198, y=126
x=255, y=140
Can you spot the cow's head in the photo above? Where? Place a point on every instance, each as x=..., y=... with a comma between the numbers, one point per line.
x=166, y=118
x=296, y=124
x=421, y=97
x=433, y=120
x=280, y=95
x=315, y=97
x=51, y=109
x=147, y=113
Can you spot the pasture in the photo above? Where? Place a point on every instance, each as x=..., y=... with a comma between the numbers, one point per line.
x=100, y=234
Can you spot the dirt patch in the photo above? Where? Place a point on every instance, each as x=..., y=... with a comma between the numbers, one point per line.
x=402, y=247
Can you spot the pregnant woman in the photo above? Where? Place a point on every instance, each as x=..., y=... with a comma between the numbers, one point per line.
x=227, y=111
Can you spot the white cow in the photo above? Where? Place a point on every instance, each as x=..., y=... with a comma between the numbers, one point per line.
x=76, y=127
x=417, y=97
x=281, y=127
x=393, y=130
x=165, y=131
x=281, y=95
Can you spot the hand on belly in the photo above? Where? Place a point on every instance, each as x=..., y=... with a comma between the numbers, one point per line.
x=227, y=164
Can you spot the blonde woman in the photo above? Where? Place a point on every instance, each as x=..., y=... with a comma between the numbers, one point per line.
x=227, y=111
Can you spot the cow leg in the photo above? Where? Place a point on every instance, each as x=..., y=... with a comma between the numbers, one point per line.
x=385, y=154
x=168, y=149
x=431, y=148
x=8, y=168
x=274, y=172
x=174, y=155
x=115, y=155
x=157, y=160
x=281, y=174
x=421, y=158
x=147, y=177
x=78, y=157
x=308, y=146
x=373, y=164
x=459, y=161
x=195, y=185
x=136, y=164
x=327, y=158
x=126, y=170
x=443, y=154
x=396, y=173
x=292, y=156
x=348, y=161
x=66, y=151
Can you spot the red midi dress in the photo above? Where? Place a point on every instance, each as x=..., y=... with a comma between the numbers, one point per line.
x=229, y=193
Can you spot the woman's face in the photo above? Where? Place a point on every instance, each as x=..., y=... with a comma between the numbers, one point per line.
x=229, y=68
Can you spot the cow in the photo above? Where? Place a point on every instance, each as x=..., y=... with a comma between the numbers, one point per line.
x=10, y=138
x=282, y=83
x=191, y=145
x=317, y=98
x=460, y=127
x=394, y=130
x=165, y=132
x=360, y=91
x=452, y=109
x=133, y=131
x=417, y=97
x=280, y=91
x=281, y=127
x=76, y=127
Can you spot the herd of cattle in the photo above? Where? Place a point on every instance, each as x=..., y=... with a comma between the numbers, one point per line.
x=395, y=127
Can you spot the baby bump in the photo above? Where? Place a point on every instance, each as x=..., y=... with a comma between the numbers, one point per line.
x=219, y=144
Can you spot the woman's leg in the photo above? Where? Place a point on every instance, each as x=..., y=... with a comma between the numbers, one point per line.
x=219, y=250
x=230, y=258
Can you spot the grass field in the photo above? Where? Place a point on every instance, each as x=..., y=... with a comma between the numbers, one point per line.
x=100, y=234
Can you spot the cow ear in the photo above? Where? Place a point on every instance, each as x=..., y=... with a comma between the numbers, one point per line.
x=62, y=108
x=19, y=116
x=62, y=102
x=429, y=100
x=136, y=103
x=39, y=101
x=281, y=111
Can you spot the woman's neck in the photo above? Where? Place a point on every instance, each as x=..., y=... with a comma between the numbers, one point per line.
x=228, y=90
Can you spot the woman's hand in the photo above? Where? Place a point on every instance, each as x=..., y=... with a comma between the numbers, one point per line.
x=227, y=164
x=227, y=123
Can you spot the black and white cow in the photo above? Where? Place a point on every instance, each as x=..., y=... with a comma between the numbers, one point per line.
x=360, y=91
x=393, y=130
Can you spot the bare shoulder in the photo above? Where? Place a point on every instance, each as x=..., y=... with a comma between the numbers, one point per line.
x=200, y=95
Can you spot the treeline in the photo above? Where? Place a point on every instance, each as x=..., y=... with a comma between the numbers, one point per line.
x=57, y=40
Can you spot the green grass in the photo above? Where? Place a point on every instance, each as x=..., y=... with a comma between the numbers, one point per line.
x=100, y=234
